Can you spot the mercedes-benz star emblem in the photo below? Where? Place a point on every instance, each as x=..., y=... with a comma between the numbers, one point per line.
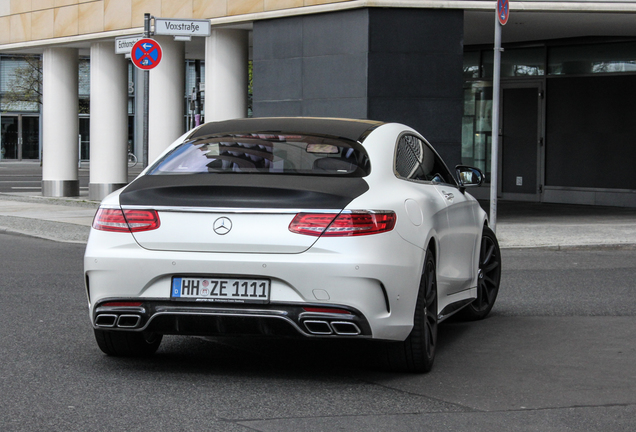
x=222, y=226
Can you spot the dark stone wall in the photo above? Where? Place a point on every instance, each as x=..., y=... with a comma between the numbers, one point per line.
x=313, y=65
x=402, y=65
x=590, y=131
x=415, y=73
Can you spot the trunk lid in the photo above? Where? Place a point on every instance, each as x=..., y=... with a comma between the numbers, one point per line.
x=234, y=213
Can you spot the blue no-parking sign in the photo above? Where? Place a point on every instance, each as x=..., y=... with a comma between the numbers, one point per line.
x=146, y=54
x=503, y=11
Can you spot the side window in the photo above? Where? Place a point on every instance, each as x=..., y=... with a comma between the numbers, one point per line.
x=408, y=157
x=415, y=160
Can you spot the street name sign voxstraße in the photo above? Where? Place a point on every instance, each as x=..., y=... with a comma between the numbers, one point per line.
x=182, y=27
x=124, y=44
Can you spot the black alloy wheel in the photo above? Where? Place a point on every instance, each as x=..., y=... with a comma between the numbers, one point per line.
x=417, y=352
x=488, y=278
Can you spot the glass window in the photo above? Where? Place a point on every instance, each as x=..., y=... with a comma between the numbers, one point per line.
x=516, y=62
x=471, y=64
x=415, y=160
x=266, y=154
x=131, y=89
x=85, y=137
x=190, y=85
x=591, y=59
x=191, y=75
x=477, y=126
x=523, y=62
x=84, y=77
x=20, y=83
x=84, y=85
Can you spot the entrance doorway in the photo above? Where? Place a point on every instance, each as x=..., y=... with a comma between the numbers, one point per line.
x=521, y=142
x=20, y=137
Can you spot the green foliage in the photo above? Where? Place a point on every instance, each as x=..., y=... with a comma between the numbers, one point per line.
x=25, y=86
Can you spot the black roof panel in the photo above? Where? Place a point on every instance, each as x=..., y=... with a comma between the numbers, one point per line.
x=355, y=130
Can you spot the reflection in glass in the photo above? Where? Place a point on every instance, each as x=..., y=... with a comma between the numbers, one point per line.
x=471, y=64
x=477, y=126
x=516, y=62
x=266, y=153
x=592, y=59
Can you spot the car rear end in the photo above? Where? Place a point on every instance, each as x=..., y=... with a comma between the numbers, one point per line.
x=241, y=233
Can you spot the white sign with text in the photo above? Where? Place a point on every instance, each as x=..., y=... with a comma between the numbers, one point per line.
x=182, y=27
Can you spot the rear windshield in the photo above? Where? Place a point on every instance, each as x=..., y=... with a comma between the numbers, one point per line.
x=266, y=153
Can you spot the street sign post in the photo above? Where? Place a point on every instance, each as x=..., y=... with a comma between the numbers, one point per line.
x=144, y=156
x=146, y=54
x=503, y=13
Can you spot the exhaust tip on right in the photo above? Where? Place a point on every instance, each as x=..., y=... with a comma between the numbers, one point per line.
x=128, y=321
x=345, y=328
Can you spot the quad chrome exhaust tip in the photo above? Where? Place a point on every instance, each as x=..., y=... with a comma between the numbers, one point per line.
x=128, y=321
x=117, y=321
x=340, y=328
x=345, y=328
x=318, y=327
x=106, y=320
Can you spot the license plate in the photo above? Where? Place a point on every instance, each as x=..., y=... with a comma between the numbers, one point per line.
x=221, y=289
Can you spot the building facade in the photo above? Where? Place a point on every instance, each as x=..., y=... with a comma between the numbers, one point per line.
x=568, y=99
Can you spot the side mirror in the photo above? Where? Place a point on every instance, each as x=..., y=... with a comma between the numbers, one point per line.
x=469, y=176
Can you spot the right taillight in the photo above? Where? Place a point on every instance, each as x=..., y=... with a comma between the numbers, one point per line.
x=116, y=220
x=351, y=223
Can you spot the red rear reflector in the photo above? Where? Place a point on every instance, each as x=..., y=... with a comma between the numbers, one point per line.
x=326, y=310
x=116, y=220
x=344, y=224
x=122, y=303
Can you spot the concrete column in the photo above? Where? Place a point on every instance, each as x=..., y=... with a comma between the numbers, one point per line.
x=226, y=57
x=109, y=121
x=166, y=120
x=60, y=124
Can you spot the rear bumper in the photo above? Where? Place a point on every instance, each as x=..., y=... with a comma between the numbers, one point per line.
x=375, y=276
x=206, y=319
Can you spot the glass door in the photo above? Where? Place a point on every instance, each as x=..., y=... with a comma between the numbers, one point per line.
x=9, y=149
x=30, y=138
x=20, y=137
x=521, y=142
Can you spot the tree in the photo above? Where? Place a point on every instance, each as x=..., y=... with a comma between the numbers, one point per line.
x=25, y=84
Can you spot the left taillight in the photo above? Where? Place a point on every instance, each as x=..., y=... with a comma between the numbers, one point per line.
x=352, y=223
x=116, y=220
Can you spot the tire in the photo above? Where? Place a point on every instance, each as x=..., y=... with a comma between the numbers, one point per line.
x=417, y=352
x=489, y=276
x=127, y=344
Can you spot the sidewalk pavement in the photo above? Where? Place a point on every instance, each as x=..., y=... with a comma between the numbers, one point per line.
x=519, y=225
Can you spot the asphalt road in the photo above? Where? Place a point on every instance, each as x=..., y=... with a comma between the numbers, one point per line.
x=558, y=353
x=19, y=177
x=27, y=176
